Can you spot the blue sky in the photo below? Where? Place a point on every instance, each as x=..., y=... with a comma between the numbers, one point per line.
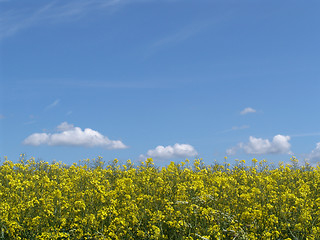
x=167, y=79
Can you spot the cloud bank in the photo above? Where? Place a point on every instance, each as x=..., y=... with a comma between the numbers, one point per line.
x=279, y=144
x=171, y=152
x=69, y=135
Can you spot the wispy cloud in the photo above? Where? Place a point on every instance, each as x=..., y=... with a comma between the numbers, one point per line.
x=2, y=116
x=69, y=135
x=14, y=19
x=107, y=84
x=279, y=144
x=235, y=128
x=248, y=110
x=314, y=156
x=114, y=84
x=180, y=35
x=171, y=152
x=185, y=32
x=30, y=122
x=306, y=134
x=55, y=103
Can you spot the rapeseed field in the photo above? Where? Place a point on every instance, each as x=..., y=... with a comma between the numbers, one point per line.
x=94, y=200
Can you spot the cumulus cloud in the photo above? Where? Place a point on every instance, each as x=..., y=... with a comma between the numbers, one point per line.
x=279, y=144
x=175, y=151
x=68, y=135
x=65, y=127
x=314, y=156
x=247, y=110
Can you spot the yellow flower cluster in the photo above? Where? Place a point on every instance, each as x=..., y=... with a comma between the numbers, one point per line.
x=89, y=200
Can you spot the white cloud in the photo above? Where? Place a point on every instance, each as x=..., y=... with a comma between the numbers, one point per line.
x=279, y=144
x=233, y=150
x=247, y=110
x=175, y=151
x=314, y=156
x=65, y=127
x=68, y=135
x=1, y=116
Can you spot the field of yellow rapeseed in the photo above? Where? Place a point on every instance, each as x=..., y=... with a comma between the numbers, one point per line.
x=92, y=200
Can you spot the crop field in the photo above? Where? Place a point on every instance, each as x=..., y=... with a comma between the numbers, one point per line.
x=189, y=200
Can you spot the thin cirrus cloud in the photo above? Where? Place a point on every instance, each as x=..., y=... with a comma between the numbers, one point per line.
x=171, y=152
x=69, y=135
x=55, y=103
x=279, y=144
x=248, y=110
x=236, y=128
x=181, y=35
x=16, y=19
